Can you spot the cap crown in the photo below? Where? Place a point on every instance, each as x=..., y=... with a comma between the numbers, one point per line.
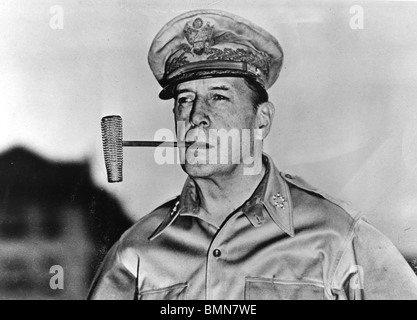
x=211, y=43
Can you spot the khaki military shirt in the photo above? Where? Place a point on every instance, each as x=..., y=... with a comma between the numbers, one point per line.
x=288, y=241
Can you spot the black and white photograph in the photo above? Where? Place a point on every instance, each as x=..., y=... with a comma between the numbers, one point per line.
x=208, y=150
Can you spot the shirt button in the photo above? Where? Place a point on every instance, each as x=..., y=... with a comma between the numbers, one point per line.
x=217, y=253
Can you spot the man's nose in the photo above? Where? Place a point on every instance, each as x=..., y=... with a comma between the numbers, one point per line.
x=198, y=116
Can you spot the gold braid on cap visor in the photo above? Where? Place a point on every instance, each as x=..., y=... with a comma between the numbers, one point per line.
x=208, y=69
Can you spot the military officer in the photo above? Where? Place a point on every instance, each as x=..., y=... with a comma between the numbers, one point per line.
x=232, y=235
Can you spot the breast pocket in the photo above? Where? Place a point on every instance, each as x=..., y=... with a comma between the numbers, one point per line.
x=176, y=292
x=272, y=289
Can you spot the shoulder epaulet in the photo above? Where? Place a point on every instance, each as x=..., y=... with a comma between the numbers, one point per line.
x=302, y=184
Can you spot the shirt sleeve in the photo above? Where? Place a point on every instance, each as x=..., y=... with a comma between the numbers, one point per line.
x=113, y=281
x=371, y=268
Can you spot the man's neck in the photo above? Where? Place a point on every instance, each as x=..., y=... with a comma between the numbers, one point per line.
x=220, y=196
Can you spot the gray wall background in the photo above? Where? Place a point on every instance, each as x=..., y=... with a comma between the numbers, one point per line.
x=346, y=99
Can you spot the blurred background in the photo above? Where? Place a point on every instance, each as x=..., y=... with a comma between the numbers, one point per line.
x=346, y=122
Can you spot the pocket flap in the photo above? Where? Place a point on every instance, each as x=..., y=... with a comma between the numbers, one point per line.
x=175, y=292
x=272, y=289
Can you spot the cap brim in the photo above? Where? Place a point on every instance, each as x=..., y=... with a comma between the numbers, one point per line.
x=168, y=92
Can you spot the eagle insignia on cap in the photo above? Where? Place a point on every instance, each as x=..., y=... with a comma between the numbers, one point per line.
x=199, y=36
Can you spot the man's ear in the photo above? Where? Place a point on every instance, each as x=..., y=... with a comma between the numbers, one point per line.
x=264, y=117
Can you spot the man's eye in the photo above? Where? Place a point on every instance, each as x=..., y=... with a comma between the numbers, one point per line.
x=219, y=97
x=184, y=100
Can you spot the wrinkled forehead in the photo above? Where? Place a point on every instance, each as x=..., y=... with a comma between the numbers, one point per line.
x=234, y=85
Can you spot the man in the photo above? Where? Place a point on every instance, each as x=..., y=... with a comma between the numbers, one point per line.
x=234, y=233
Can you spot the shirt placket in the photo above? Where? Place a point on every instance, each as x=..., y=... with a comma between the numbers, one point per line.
x=216, y=256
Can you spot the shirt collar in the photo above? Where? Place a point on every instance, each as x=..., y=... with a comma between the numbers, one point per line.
x=272, y=194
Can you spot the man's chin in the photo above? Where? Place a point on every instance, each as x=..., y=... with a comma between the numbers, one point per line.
x=199, y=170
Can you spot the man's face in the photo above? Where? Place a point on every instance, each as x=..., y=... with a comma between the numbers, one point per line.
x=206, y=106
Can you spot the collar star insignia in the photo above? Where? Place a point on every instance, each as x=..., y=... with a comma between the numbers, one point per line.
x=279, y=201
x=174, y=210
